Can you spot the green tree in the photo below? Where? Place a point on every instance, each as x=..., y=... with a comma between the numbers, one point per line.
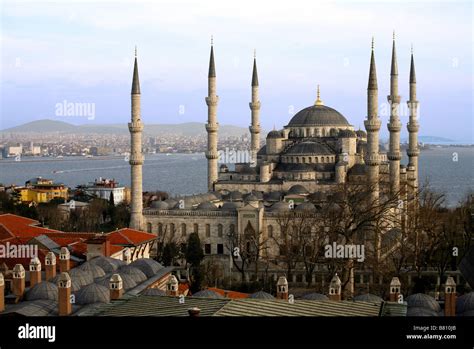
x=194, y=256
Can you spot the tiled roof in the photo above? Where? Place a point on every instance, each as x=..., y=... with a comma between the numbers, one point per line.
x=229, y=294
x=126, y=236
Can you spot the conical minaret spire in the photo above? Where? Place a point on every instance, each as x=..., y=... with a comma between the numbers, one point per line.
x=394, y=126
x=136, y=157
x=255, y=115
x=372, y=126
x=212, y=125
x=413, y=125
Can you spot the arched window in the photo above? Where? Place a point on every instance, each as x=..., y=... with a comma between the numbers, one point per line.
x=183, y=229
x=172, y=229
x=196, y=228
x=148, y=227
x=219, y=230
x=270, y=231
x=231, y=229
x=316, y=159
x=208, y=230
x=304, y=160
x=327, y=159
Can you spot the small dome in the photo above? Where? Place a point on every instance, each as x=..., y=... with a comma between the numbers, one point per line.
x=42, y=290
x=171, y=203
x=368, y=297
x=421, y=300
x=251, y=197
x=274, y=134
x=298, y=189
x=93, y=293
x=261, y=295
x=75, y=286
x=280, y=206
x=235, y=195
x=305, y=206
x=258, y=194
x=231, y=206
x=207, y=294
x=273, y=196
x=107, y=264
x=94, y=269
x=347, y=134
x=309, y=148
x=82, y=277
x=136, y=274
x=207, y=206
x=159, y=205
x=148, y=266
x=153, y=292
x=465, y=303
x=315, y=297
x=361, y=134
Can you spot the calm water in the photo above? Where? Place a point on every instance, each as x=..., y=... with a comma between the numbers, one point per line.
x=181, y=174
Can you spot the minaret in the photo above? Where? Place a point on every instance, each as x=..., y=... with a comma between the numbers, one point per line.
x=136, y=157
x=255, y=108
x=212, y=126
x=394, y=126
x=413, y=125
x=372, y=126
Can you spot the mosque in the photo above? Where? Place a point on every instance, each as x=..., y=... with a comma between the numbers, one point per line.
x=300, y=164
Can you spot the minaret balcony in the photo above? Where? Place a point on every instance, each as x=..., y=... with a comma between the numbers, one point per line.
x=372, y=159
x=212, y=154
x=135, y=126
x=394, y=156
x=136, y=159
x=372, y=125
x=394, y=99
x=394, y=126
x=413, y=127
x=211, y=128
x=254, y=105
x=212, y=101
x=254, y=129
x=413, y=152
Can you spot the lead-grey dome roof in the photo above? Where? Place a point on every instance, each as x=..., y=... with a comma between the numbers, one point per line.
x=280, y=206
x=261, y=295
x=272, y=196
x=159, y=205
x=75, y=286
x=136, y=274
x=43, y=290
x=421, y=300
x=92, y=268
x=298, y=189
x=274, y=134
x=318, y=115
x=207, y=206
x=148, y=266
x=309, y=148
x=127, y=281
x=420, y=311
x=108, y=264
x=315, y=297
x=368, y=297
x=93, y=293
x=465, y=303
x=207, y=294
x=82, y=277
x=305, y=206
x=231, y=206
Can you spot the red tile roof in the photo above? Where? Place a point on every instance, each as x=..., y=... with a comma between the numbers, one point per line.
x=127, y=236
x=229, y=294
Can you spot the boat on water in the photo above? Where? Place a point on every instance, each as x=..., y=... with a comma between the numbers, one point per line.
x=57, y=171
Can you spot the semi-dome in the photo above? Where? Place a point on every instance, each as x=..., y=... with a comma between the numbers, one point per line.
x=318, y=115
x=171, y=203
x=309, y=148
x=421, y=300
x=42, y=290
x=347, y=134
x=298, y=189
x=159, y=205
x=92, y=268
x=273, y=196
x=235, y=195
x=368, y=297
x=137, y=275
x=361, y=133
x=207, y=294
x=274, y=134
x=261, y=295
x=315, y=297
x=148, y=266
x=93, y=293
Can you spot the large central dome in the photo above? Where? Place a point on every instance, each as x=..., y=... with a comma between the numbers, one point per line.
x=318, y=115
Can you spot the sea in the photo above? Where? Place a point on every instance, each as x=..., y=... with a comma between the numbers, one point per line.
x=447, y=169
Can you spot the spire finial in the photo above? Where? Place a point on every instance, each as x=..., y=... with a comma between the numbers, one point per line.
x=411, y=48
x=212, y=40
x=394, y=35
x=135, y=51
x=254, y=53
x=318, y=100
x=373, y=43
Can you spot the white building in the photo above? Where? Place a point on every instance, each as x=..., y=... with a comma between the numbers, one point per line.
x=103, y=187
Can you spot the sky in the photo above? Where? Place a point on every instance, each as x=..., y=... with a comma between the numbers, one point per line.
x=59, y=52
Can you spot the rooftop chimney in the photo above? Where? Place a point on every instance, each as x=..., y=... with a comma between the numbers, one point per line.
x=64, y=260
x=127, y=255
x=194, y=312
x=395, y=286
x=98, y=246
x=335, y=288
x=450, y=297
x=116, y=287
x=64, y=294
x=172, y=286
x=35, y=271
x=18, y=281
x=282, y=288
x=2, y=293
x=50, y=262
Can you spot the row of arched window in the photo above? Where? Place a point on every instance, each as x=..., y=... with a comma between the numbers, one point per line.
x=164, y=228
x=308, y=159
